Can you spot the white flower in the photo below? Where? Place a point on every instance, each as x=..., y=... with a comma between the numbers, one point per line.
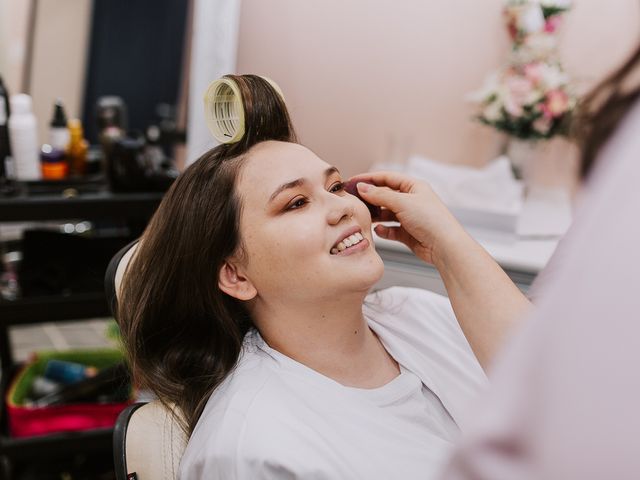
x=493, y=111
x=530, y=18
x=538, y=45
x=552, y=77
x=488, y=89
x=533, y=97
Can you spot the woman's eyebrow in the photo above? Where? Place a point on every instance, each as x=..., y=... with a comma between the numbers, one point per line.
x=300, y=181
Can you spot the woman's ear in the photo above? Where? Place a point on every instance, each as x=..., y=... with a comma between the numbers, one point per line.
x=233, y=282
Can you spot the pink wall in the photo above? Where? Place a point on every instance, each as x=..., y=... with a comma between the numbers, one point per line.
x=360, y=75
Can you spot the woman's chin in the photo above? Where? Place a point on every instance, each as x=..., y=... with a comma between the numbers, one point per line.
x=367, y=274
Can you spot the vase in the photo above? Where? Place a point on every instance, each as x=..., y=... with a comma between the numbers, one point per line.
x=522, y=155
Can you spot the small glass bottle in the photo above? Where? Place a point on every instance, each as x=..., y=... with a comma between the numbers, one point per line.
x=53, y=163
x=77, y=150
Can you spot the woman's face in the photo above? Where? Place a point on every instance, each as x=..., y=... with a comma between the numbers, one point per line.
x=294, y=222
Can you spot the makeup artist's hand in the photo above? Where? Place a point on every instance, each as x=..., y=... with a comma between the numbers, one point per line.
x=426, y=225
x=485, y=300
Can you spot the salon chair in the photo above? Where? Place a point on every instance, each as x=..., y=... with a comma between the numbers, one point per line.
x=147, y=438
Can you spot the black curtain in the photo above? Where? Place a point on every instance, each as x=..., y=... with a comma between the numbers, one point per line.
x=135, y=52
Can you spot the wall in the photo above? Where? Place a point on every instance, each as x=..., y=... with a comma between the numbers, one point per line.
x=363, y=75
x=14, y=24
x=59, y=58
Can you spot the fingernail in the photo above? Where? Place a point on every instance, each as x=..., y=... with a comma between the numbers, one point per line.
x=363, y=187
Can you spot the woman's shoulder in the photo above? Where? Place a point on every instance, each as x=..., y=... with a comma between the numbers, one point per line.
x=247, y=405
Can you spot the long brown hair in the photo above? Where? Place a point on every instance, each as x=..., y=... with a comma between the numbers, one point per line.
x=182, y=334
x=602, y=110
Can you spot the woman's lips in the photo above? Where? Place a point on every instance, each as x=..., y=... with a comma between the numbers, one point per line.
x=358, y=247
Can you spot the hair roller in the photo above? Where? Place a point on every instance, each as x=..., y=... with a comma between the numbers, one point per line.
x=224, y=109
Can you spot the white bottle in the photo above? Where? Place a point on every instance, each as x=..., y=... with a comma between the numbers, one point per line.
x=23, y=134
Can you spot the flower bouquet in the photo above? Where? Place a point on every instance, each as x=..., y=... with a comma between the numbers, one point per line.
x=531, y=101
x=530, y=98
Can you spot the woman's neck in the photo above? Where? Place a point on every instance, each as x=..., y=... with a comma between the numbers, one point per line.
x=330, y=337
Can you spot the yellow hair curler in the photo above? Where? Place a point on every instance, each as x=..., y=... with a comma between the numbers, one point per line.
x=224, y=110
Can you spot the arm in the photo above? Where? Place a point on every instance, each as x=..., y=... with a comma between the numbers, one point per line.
x=484, y=298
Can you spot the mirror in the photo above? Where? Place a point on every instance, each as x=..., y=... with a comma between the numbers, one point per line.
x=80, y=50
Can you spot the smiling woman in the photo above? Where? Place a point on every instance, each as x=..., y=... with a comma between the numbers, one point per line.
x=247, y=304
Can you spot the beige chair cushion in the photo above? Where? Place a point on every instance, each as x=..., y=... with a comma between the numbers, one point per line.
x=155, y=443
x=122, y=266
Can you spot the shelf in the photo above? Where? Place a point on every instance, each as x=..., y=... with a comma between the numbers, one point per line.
x=53, y=308
x=83, y=206
x=49, y=446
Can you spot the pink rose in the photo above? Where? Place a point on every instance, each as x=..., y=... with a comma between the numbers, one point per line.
x=534, y=72
x=552, y=24
x=517, y=93
x=556, y=104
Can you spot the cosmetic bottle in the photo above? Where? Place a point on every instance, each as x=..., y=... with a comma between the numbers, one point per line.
x=112, y=121
x=53, y=163
x=9, y=280
x=77, y=149
x=43, y=386
x=68, y=372
x=23, y=136
x=110, y=384
x=58, y=130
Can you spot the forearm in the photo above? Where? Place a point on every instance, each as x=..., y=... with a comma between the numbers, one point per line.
x=485, y=300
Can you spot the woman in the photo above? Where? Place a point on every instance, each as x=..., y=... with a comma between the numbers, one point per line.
x=565, y=393
x=247, y=306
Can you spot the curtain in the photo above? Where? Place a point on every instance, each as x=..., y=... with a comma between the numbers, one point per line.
x=214, y=47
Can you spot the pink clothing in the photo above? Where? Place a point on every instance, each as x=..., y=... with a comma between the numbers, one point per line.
x=565, y=397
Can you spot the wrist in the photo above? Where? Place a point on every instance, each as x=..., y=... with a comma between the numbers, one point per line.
x=450, y=246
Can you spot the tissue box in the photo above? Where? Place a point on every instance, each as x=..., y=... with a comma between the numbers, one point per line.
x=27, y=421
x=487, y=198
x=486, y=219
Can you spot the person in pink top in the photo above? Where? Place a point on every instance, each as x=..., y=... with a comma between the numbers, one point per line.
x=565, y=390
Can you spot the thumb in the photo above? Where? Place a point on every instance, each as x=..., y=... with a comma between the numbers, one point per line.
x=379, y=196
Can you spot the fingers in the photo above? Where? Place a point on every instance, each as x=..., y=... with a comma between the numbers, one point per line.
x=393, y=180
x=379, y=196
x=398, y=234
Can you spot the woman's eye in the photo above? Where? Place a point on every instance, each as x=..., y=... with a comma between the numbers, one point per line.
x=297, y=204
x=336, y=187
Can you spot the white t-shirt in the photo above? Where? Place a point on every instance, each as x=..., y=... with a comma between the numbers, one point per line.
x=274, y=418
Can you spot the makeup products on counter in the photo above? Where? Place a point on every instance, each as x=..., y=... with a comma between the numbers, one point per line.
x=77, y=149
x=59, y=135
x=67, y=373
x=23, y=136
x=112, y=121
x=107, y=385
x=53, y=163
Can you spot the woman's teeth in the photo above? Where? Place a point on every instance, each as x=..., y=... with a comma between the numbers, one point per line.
x=350, y=241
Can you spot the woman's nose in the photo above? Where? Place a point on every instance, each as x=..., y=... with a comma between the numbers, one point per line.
x=340, y=208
